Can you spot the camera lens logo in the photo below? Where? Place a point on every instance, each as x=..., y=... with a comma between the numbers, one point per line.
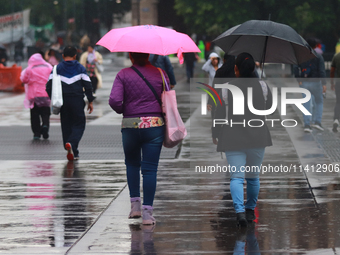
x=204, y=97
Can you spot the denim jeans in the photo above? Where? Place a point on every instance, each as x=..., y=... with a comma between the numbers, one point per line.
x=248, y=246
x=315, y=89
x=142, y=148
x=238, y=160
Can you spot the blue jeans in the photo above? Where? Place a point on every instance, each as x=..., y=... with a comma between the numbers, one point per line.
x=142, y=148
x=239, y=162
x=249, y=246
x=315, y=89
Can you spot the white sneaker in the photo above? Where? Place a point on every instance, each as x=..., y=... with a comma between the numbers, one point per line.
x=318, y=126
x=307, y=129
x=335, y=125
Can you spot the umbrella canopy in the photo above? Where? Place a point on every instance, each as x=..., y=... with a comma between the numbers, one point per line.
x=148, y=39
x=267, y=42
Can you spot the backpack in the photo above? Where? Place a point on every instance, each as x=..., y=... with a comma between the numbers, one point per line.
x=310, y=68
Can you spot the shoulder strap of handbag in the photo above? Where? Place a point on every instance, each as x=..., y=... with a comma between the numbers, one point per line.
x=147, y=83
x=55, y=71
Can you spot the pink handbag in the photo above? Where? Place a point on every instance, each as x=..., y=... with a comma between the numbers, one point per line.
x=175, y=130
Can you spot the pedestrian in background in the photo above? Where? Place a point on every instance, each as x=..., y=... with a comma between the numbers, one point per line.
x=19, y=51
x=190, y=59
x=211, y=65
x=75, y=83
x=245, y=145
x=335, y=86
x=223, y=75
x=314, y=71
x=142, y=130
x=51, y=57
x=89, y=59
x=35, y=77
x=3, y=55
x=163, y=62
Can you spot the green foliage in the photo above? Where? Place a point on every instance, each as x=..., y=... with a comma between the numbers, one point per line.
x=309, y=18
x=84, y=11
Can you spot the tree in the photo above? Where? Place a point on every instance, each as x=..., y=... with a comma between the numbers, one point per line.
x=85, y=12
x=317, y=18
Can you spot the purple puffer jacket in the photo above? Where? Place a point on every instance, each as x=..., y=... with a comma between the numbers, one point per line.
x=131, y=96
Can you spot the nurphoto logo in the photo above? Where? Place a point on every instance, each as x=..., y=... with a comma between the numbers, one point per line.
x=239, y=104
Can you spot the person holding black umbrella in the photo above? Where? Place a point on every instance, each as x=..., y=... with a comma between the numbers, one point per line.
x=244, y=145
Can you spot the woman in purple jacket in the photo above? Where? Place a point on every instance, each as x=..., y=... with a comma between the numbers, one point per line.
x=142, y=130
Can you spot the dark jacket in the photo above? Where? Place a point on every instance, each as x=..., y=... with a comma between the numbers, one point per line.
x=312, y=70
x=74, y=79
x=163, y=62
x=238, y=137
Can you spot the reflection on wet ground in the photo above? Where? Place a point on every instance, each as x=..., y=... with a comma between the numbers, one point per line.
x=52, y=204
x=195, y=215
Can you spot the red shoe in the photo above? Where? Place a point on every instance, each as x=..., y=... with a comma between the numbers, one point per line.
x=70, y=155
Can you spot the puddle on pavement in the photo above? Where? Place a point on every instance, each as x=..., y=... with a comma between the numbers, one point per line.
x=51, y=204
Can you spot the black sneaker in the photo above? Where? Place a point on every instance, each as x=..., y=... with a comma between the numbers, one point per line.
x=241, y=219
x=307, y=129
x=250, y=215
x=36, y=137
x=44, y=132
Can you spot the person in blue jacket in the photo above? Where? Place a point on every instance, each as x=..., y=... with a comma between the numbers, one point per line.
x=163, y=62
x=75, y=83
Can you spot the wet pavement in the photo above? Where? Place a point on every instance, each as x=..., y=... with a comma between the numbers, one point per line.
x=52, y=207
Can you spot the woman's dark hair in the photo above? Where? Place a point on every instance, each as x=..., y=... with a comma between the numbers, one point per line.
x=51, y=51
x=245, y=64
x=92, y=45
x=140, y=59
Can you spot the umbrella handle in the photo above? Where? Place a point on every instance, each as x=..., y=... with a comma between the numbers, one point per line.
x=264, y=56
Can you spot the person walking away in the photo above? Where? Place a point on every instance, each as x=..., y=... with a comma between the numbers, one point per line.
x=335, y=86
x=142, y=130
x=211, y=65
x=18, y=51
x=163, y=62
x=89, y=59
x=35, y=77
x=52, y=58
x=244, y=145
x=189, y=59
x=224, y=74
x=75, y=83
x=3, y=55
x=311, y=76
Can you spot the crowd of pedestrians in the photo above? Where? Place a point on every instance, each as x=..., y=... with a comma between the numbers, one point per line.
x=143, y=123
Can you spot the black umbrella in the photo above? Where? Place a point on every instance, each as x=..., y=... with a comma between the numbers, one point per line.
x=266, y=41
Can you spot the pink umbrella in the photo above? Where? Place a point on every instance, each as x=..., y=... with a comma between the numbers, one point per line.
x=148, y=39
